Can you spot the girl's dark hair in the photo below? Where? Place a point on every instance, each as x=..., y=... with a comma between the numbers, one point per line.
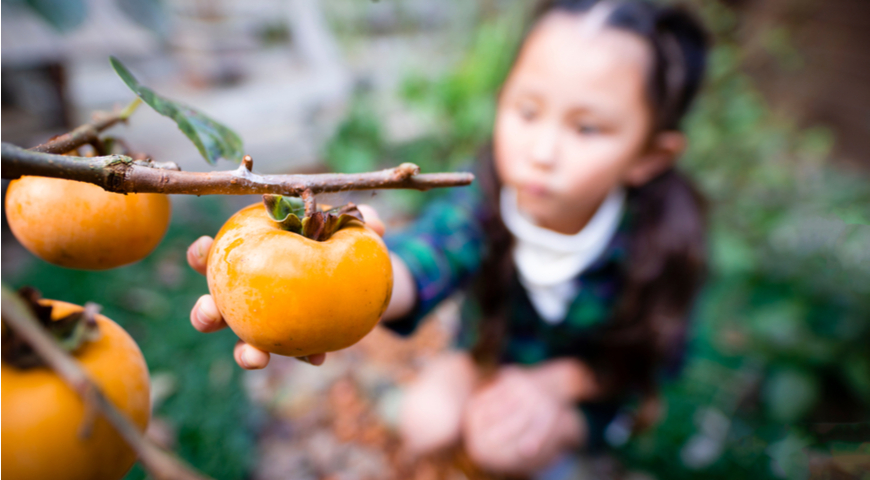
x=666, y=256
x=679, y=45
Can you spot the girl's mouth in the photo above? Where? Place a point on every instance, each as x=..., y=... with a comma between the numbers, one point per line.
x=535, y=190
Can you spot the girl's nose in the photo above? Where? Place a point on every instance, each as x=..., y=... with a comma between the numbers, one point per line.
x=545, y=147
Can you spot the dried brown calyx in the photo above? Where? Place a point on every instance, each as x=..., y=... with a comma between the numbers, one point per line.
x=289, y=213
x=71, y=331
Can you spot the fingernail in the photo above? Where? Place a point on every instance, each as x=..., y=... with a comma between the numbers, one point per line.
x=207, y=314
x=243, y=358
x=199, y=252
x=203, y=318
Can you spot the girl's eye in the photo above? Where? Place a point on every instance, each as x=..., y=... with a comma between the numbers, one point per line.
x=587, y=129
x=527, y=111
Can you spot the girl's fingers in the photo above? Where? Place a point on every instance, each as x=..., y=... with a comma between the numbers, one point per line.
x=205, y=315
x=511, y=428
x=372, y=219
x=250, y=358
x=500, y=399
x=497, y=409
x=197, y=253
x=315, y=359
x=533, y=439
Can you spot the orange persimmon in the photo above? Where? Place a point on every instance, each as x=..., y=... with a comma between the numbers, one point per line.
x=43, y=417
x=288, y=294
x=80, y=225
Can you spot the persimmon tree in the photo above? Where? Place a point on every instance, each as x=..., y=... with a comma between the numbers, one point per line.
x=115, y=169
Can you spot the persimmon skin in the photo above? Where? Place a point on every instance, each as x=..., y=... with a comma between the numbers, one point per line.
x=42, y=415
x=287, y=294
x=80, y=225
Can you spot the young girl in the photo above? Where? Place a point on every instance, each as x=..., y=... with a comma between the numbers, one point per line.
x=581, y=247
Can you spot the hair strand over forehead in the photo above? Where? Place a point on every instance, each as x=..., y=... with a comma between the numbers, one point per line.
x=678, y=41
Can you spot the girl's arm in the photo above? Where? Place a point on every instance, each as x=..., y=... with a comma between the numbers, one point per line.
x=404, y=291
x=433, y=257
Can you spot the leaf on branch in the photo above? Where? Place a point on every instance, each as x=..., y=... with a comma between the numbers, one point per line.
x=213, y=140
x=63, y=15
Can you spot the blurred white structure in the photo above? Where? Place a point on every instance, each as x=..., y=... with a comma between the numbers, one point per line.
x=279, y=72
x=212, y=59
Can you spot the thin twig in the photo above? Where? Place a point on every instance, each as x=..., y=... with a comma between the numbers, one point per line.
x=159, y=463
x=117, y=173
x=87, y=133
x=310, y=202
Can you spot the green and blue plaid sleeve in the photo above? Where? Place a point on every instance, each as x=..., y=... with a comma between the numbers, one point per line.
x=443, y=249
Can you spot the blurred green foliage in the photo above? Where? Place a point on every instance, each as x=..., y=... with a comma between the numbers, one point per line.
x=204, y=400
x=460, y=104
x=782, y=329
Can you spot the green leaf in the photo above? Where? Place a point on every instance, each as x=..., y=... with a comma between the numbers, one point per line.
x=212, y=139
x=146, y=13
x=854, y=214
x=63, y=15
x=289, y=213
x=790, y=393
x=286, y=211
x=789, y=457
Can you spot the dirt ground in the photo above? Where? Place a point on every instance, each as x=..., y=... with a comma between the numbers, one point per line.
x=337, y=421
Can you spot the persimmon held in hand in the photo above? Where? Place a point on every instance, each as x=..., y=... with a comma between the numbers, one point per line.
x=80, y=225
x=43, y=417
x=288, y=294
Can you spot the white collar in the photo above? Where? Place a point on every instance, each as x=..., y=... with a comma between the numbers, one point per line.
x=548, y=261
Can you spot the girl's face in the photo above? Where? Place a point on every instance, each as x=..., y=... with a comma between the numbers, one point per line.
x=573, y=119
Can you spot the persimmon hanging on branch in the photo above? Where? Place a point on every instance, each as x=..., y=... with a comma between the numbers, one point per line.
x=74, y=225
x=289, y=277
x=75, y=395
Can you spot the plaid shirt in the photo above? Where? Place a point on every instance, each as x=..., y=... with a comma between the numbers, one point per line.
x=444, y=250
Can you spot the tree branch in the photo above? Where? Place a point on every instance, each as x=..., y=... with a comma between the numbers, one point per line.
x=87, y=133
x=159, y=463
x=117, y=173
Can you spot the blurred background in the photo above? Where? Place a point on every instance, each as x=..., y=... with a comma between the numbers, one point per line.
x=778, y=380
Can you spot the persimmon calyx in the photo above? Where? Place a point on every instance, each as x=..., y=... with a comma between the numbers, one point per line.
x=289, y=214
x=71, y=331
x=286, y=211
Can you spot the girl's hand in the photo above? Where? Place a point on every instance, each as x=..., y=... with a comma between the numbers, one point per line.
x=516, y=426
x=206, y=317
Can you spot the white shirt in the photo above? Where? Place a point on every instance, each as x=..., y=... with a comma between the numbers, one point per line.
x=548, y=262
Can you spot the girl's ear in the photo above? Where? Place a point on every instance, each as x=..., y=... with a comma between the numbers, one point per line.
x=664, y=150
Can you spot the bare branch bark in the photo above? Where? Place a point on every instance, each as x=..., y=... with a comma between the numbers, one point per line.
x=87, y=133
x=117, y=173
x=159, y=463
x=310, y=202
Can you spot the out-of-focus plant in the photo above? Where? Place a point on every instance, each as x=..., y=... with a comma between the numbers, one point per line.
x=65, y=16
x=460, y=105
x=782, y=330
